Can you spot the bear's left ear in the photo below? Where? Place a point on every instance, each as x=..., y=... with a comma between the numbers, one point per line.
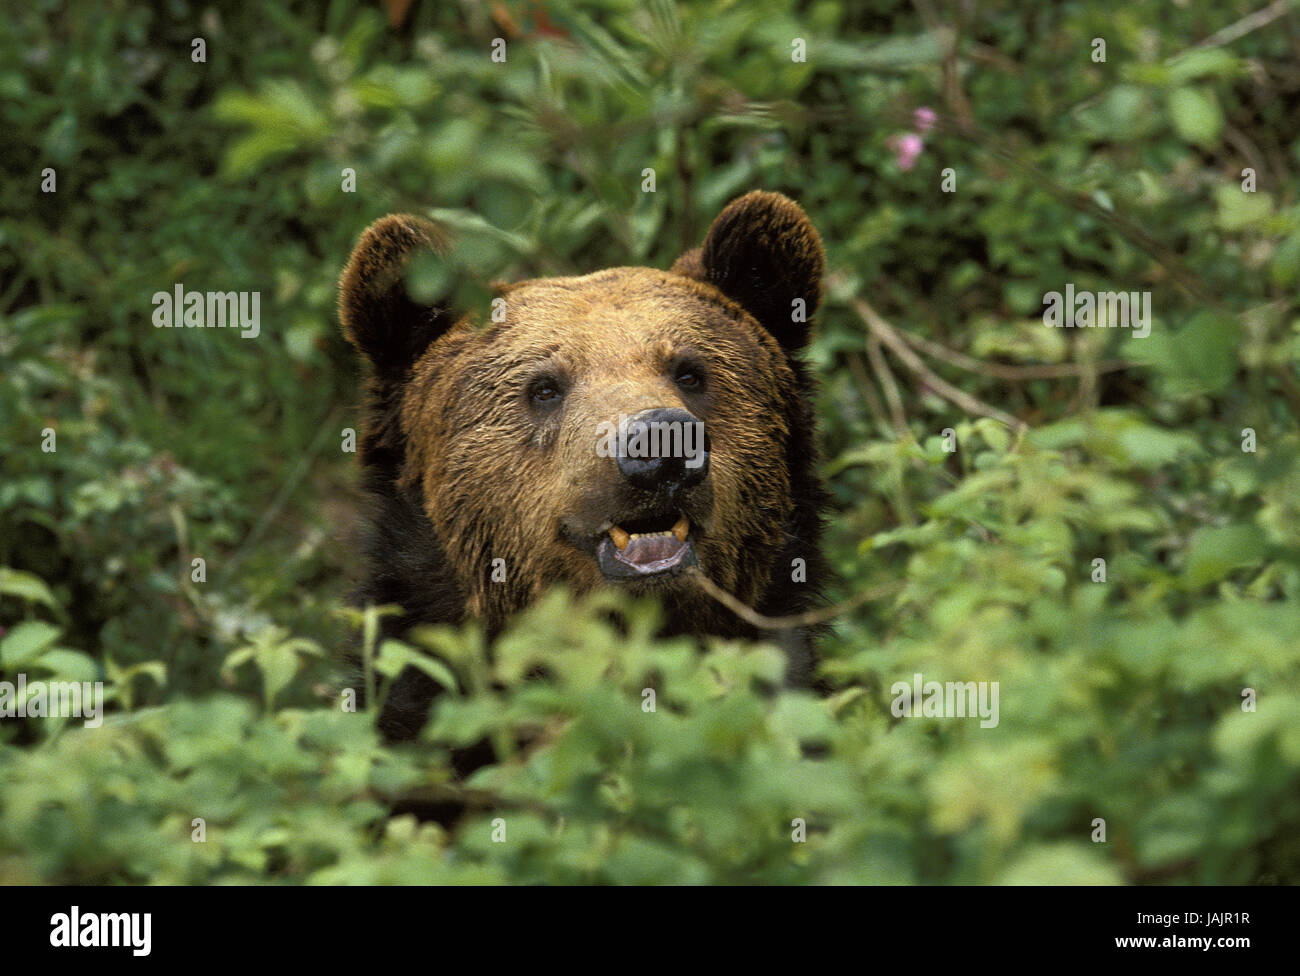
x=385, y=324
x=763, y=253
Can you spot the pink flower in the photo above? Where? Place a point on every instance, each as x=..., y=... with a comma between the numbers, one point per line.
x=905, y=148
x=923, y=119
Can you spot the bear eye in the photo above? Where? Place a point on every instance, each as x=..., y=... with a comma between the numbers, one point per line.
x=544, y=391
x=688, y=378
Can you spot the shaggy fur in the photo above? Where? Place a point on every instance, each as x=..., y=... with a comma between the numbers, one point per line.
x=465, y=467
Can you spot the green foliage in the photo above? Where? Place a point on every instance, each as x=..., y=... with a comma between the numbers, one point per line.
x=1119, y=700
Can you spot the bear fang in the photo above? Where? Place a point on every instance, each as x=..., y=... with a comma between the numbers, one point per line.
x=129, y=929
x=189, y=310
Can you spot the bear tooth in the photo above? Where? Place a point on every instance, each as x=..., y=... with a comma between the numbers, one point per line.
x=620, y=537
x=681, y=528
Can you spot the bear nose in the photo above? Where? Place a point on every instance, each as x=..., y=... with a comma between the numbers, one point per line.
x=665, y=448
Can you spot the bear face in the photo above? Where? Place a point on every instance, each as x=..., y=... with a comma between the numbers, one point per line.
x=534, y=410
x=614, y=429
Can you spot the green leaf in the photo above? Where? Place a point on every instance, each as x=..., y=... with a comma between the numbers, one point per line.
x=395, y=656
x=1061, y=864
x=1208, y=346
x=1199, y=63
x=894, y=53
x=26, y=586
x=1284, y=267
x=276, y=656
x=1215, y=552
x=61, y=142
x=602, y=44
x=469, y=223
x=65, y=665
x=25, y=643
x=1124, y=114
x=1238, y=209
x=1200, y=357
x=1196, y=115
x=252, y=152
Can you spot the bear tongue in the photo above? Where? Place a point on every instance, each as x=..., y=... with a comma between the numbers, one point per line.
x=642, y=550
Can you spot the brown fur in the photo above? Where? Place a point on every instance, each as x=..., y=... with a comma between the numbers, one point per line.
x=467, y=469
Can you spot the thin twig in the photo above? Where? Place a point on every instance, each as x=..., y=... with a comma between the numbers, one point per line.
x=1251, y=22
x=1241, y=142
x=994, y=57
x=859, y=370
x=886, y=334
x=885, y=376
x=954, y=98
x=807, y=619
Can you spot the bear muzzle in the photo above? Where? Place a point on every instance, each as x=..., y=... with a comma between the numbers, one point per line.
x=662, y=456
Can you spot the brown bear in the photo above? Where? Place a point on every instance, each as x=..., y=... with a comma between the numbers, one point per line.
x=615, y=429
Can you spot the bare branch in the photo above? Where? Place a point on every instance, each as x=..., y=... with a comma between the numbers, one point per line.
x=885, y=376
x=1005, y=371
x=1251, y=22
x=886, y=334
x=809, y=619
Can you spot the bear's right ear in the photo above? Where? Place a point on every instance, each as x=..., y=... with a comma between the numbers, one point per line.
x=378, y=316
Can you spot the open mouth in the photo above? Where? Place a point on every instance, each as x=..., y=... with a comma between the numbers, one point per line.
x=646, y=547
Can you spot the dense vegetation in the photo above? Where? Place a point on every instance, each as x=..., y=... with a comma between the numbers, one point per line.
x=1175, y=458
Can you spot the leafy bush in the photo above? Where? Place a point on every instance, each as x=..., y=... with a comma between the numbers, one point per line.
x=1174, y=458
